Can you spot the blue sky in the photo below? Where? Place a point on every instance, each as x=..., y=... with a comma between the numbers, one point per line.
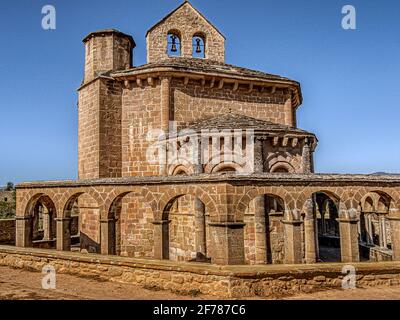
x=350, y=78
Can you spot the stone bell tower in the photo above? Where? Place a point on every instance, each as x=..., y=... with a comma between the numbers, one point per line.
x=99, y=104
x=185, y=23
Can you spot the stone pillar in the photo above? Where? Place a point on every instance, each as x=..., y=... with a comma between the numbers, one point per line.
x=395, y=231
x=382, y=237
x=306, y=157
x=293, y=245
x=227, y=243
x=258, y=156
x=349, y=239
x=47, y=226
x=165, y=117
x=260, y=230
x=63, y=234
x=23, y=237
x=107, y=237
x=161, y=239
x=165, y=103
x=200, y=226
x=289, y=112
x=310, y=234
x=370, y=239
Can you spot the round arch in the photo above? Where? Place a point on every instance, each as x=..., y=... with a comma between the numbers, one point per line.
x=282, y=167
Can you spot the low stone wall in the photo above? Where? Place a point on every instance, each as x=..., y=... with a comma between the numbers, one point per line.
x=190, y=278
x=7, y=231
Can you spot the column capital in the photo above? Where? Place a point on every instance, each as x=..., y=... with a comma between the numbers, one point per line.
x=293, y=222
x=62, y=219
x=348, y=220
x=161, y=222
x=23, y=218
x=227, y=224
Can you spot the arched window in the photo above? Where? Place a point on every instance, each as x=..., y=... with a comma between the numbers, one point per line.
x=174, y=44
x=199, y=46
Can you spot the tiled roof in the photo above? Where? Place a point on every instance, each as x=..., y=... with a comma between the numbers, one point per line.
x=203, y=65
x=234, y=121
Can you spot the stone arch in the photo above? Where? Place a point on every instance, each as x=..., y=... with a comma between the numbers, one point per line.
x=374, y=225
x=180, y=169
x=202, y=45
x=87, y=205
x=281, y=165
x=111, y=233
x=171, y=195
x=41, y=210
x=251, y=194
x=225, y=167
x=33, y=199
x=184, y=233
x=73, y=195
x=174, y=43
x=321, y=209
x=263, y=227
x=340, y=200
x=153, y=202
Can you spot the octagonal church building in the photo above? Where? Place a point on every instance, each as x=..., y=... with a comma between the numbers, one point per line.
x=190, y=159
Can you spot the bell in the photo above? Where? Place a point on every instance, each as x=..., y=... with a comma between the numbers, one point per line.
x=173, y=48
x=198, y=46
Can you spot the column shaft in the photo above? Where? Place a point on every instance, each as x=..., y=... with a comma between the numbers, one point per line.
x=63, y=234
x=200, y=227
x=260, y=230
x=23, y=232
x=107, y=237
x=161, y=239
x=395, y=232
x=293, y=254
x=349, y=240
x=227, y=243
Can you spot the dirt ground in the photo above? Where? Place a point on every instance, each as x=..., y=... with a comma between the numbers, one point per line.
x=25, y=285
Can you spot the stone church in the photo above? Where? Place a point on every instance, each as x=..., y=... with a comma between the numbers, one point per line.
x=191, y=159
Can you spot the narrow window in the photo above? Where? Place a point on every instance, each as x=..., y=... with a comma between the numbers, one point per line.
x=199, y=46
x=174, y=44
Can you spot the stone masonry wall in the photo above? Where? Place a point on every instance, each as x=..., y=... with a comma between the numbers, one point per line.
x=222, y=282
x=88, y=131
x=7, y=231
x=106, y=53
x=192, y=103
x=140, y=113
x=110, y=129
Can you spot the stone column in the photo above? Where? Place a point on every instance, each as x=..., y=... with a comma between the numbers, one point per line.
x=293, y=252
x=395, y=231
x=260, y=230
x=47, y=226
x=165, y=117
x=161, y=239
x=63, y=234
x=258, y=156
x=306, y=157
x=310, y=234
x=382, y=238
x=200, y=226
x=107, y=237
x=23, y=237
x=227, y=240
x=370, y=239
x=349, y=239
